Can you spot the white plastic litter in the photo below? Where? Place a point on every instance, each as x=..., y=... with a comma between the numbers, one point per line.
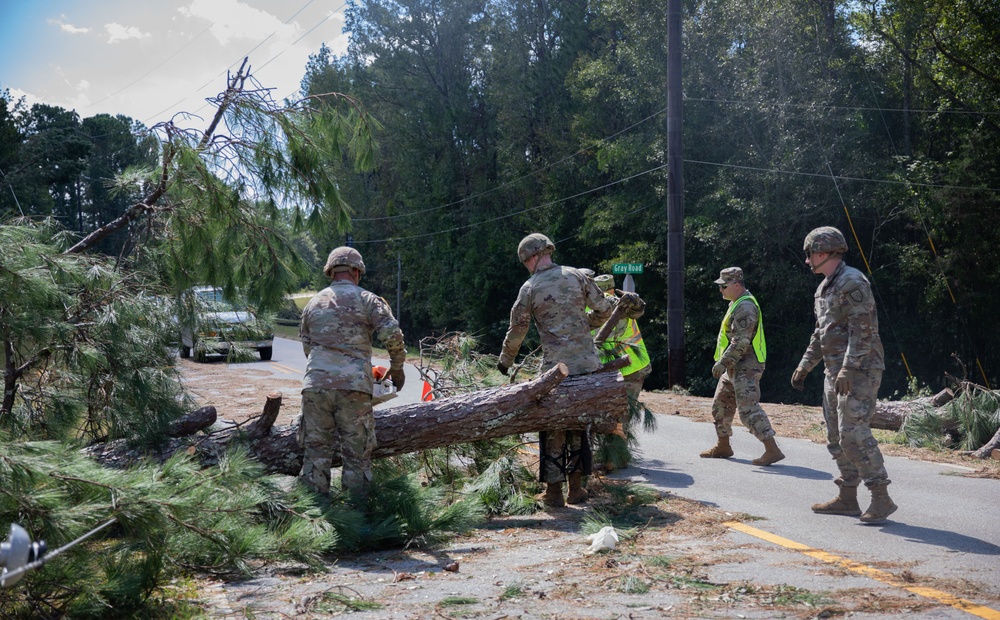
x=607, y=538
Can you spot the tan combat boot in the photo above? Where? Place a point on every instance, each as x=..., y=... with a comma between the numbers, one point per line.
x=771, y=453
x=846, y=503
x=881, y=506
x=553, y=495
x=720, y=450
x=577, y=494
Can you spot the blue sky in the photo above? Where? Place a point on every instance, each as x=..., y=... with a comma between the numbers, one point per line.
x=149, y=59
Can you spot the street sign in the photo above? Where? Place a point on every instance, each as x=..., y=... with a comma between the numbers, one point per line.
x=626, y=268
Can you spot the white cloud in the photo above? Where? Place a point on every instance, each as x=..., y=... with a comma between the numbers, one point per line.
x=68, y=28
x=83, y=85
x=233, y=19
x=117, y=32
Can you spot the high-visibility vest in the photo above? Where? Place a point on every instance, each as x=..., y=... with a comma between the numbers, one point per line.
x=626, y=335
x=759, y=345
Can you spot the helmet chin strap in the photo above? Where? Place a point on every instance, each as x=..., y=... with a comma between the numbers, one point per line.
x=529, y=266
x=829, y=255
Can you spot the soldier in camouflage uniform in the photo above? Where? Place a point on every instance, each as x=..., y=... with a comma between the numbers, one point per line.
x=556, y=298
x=740, y=354
x=336, y=331
x=846, y=340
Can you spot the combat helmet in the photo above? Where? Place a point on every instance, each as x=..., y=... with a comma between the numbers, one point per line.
x=825, y=239
x=605, y=282
x=343, y=259
x=535, y=243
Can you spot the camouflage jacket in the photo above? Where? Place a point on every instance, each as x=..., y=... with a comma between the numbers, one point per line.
x=846, y=333
x=336, y=331
x=740, y=329
x=556, y=298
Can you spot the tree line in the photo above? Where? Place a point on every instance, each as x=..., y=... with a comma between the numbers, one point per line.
x=493, y=119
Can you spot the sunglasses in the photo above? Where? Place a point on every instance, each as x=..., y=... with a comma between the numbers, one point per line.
x=723, y=287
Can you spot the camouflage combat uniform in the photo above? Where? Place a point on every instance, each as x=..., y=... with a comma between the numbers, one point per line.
x=739, y=387
x=556, y=297
x=846, y=336
x=336, y=331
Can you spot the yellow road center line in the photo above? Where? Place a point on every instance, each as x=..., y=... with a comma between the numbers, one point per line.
x=286, y=368
x=874, y=573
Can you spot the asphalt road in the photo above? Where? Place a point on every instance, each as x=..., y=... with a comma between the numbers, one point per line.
x=946, y=525
x=289, y=362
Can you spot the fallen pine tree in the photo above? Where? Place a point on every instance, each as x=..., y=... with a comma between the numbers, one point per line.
x=890, y=415
x=553, y=401
x=966, y=419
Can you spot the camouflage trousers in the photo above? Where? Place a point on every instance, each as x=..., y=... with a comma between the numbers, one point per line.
x=739, y=391
x=563, y=453
x=344, y=417
x=848, y=429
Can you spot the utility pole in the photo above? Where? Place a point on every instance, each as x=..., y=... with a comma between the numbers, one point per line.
x=675, y=199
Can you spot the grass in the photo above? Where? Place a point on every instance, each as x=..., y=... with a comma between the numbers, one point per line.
x=459, y=600
x=630, y=584
x=514, y=590
x=334, y=602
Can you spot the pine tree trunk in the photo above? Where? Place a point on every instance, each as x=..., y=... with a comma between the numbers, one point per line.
x=891, y=415
x=551, y=402
x=989, y=448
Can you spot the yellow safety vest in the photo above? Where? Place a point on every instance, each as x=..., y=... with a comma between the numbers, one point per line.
x=628, y=338
x=759, y=346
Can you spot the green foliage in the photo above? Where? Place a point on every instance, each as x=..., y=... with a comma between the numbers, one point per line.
x=615, y=450
x=167, y=519
x=512, y=591
x=401, y=511
x=503, y=487
x=622, y=511
x=630, y=584
x=965, y=423
x=89, y=349
x=336, y=602
x=458, y=600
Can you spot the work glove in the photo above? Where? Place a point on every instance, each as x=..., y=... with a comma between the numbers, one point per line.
x=398, y=377
x=718, y=369
x=843, y=383
x=799, y=378
x=503, y=368
x=630, y=300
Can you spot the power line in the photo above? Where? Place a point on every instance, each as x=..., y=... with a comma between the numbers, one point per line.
x=839, y=107
x=242, y=56
x=512, y=181
x=165, y=61
x=842, y=177
x=528, y=210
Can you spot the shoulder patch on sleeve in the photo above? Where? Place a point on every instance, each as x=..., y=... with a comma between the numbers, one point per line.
x=742, y=322
x=857, y=295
